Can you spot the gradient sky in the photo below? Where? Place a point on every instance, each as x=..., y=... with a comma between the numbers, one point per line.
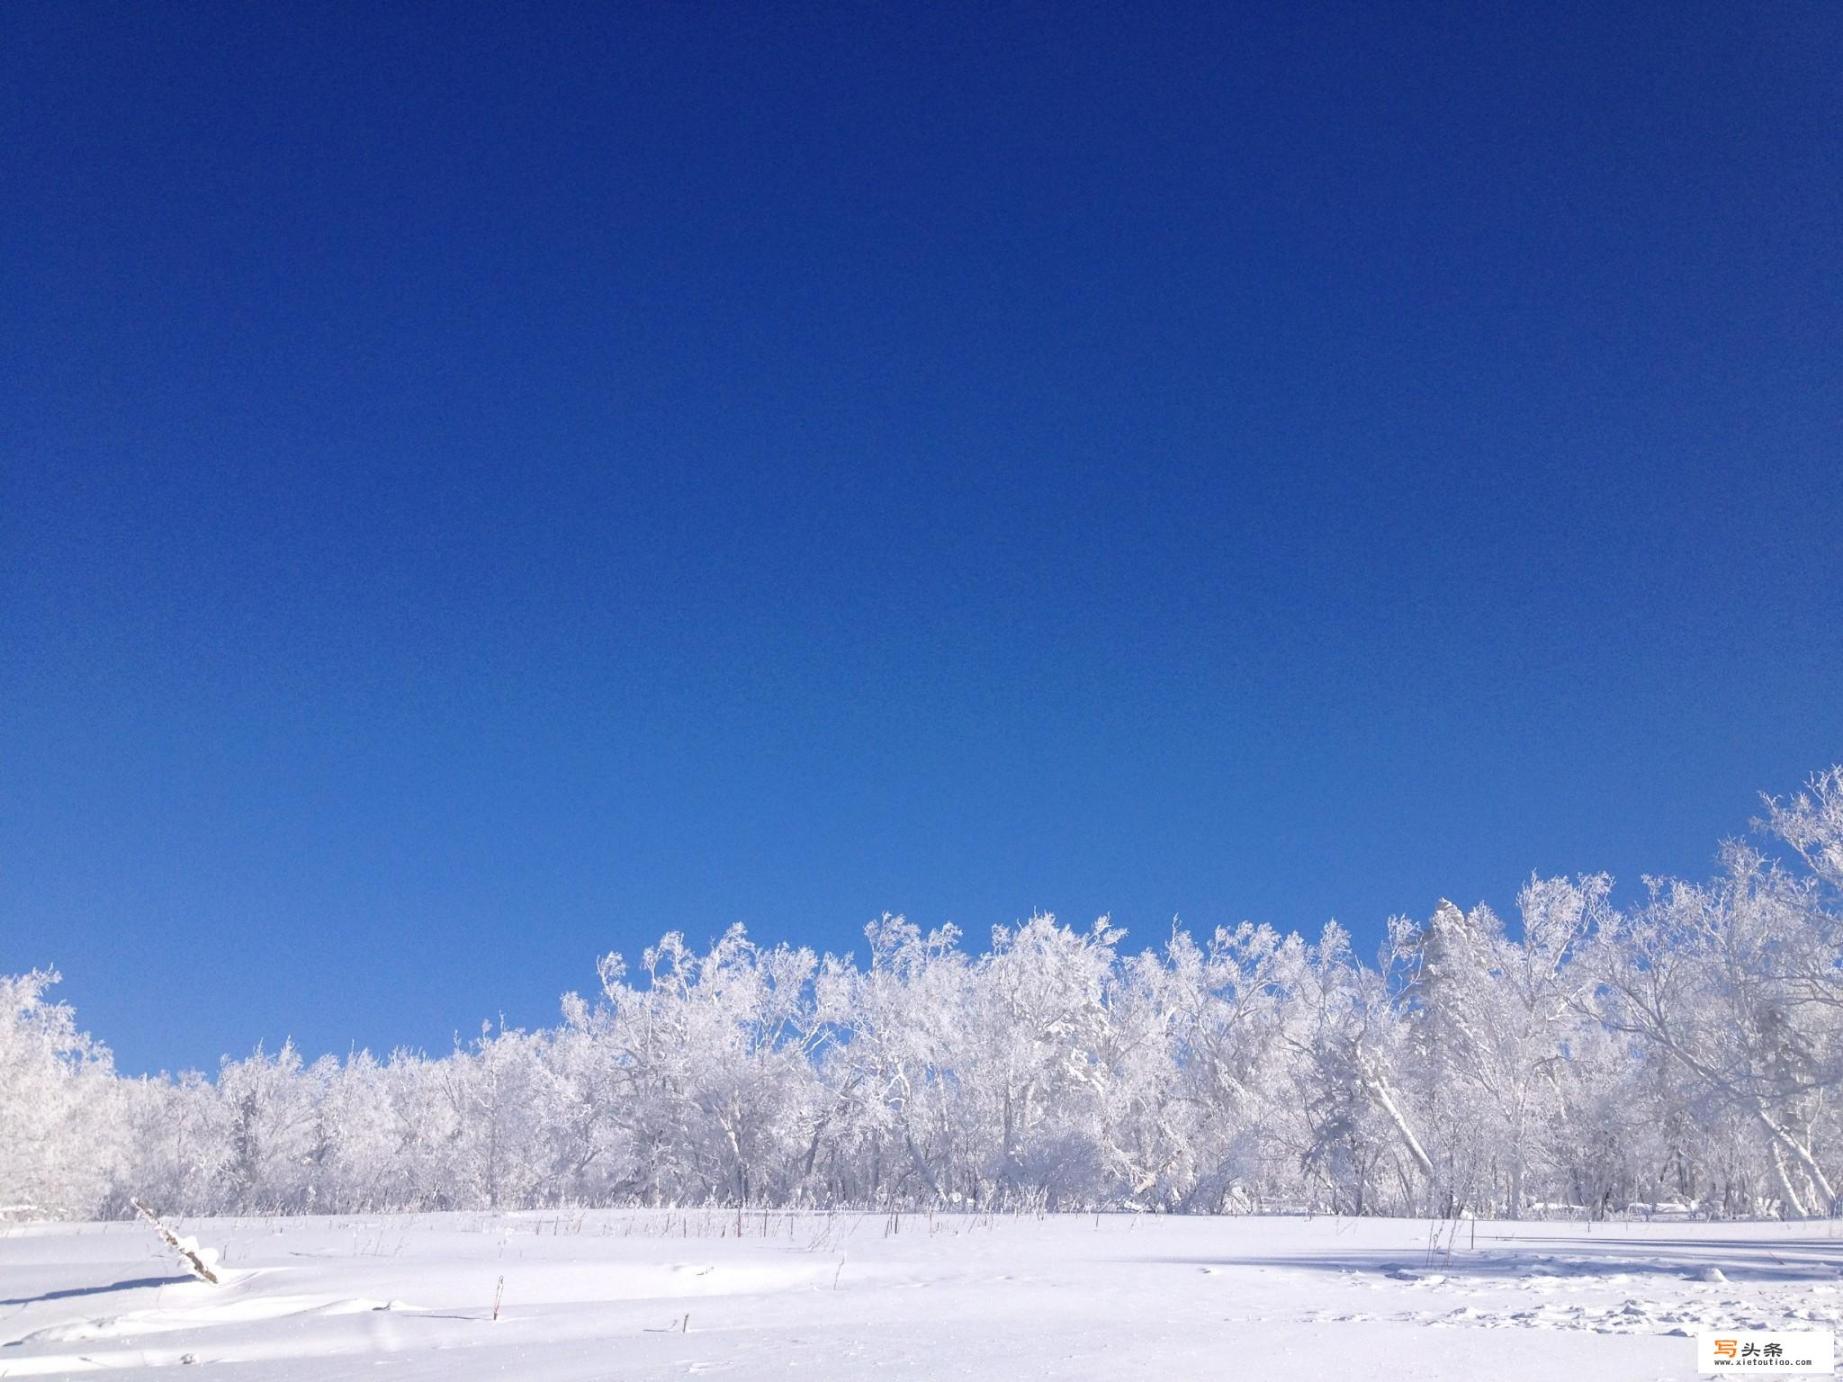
x=484, y=485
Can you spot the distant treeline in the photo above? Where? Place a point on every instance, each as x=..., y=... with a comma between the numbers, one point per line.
x=1687, y=1049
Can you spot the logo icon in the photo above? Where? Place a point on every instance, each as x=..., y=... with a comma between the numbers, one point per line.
x=1750, y=1351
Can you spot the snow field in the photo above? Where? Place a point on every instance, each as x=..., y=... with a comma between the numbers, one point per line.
x=668, y=1294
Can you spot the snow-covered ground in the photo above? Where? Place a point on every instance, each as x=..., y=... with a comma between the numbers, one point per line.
x=658, y=1294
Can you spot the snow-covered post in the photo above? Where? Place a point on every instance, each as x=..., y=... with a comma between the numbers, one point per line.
x=201, y=1262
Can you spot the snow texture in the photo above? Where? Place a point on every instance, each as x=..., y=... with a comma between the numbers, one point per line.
x=657, y=1294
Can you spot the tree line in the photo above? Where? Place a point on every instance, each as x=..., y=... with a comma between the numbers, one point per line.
x=1684, y=1049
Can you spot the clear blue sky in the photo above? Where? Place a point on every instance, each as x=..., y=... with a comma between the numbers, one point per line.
x=484, y=485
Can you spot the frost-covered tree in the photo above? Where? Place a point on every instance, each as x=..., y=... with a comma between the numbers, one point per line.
x=709, y=1067
x=1034, y=1067
x=1698, y=973
x=1210, y=1113
x=495, y=1106
x=892, y=1112
x=1361, y=1148
x=57, y=1104
x=269, y=1106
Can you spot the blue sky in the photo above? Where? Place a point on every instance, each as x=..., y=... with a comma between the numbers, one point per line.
x=483, y=487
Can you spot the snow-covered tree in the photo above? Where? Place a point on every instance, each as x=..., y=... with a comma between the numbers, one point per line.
x=58, y=1140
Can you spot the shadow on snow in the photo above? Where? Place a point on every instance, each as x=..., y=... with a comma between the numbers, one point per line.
x=1740, y=1259
x=74, y=1292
